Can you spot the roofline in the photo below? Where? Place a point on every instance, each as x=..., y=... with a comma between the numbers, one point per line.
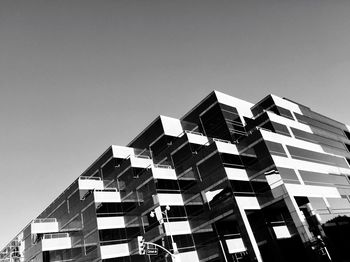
x=197, y=105
x=143, y=131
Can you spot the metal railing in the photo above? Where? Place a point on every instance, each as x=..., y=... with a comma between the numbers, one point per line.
x=222, y=140
x=45, y=220
x=162, y=166
x=89, y=178
x=56, y=235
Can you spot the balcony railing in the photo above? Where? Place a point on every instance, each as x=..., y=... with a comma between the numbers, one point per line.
x=55, y=235
x=44, y=225
x=45, y=220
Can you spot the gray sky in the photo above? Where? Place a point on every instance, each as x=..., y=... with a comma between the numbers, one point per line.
x=77, y=76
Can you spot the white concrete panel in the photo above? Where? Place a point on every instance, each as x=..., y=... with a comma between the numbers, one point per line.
x=110, y=222
x=281, y=231
x=250, y=233
x=312, y=191
x=89, y=184
x=288, y=122
x=170, y=199
x=348, y=127
x=243, y=107
x=236, y=174
x=177, y=228
x=140, y=162
x=56, y=243
x=122, y=151
x=235, y=245
x=197, y=139
x=226, y=148
x=164, y=173
x=286, y=104
x=274, y=180
x=273, y=137
x=308, y=166
x=171, y=126
x=44, y=227
x=247, y=202
x=118, y=250
x=191, y=256
x=107, y=196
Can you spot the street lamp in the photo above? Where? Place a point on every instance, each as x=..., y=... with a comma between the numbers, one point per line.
x=158, y=213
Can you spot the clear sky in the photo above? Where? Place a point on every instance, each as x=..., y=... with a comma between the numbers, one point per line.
x=78, y=76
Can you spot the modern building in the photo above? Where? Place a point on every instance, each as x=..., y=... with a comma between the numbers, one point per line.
x=229, y=181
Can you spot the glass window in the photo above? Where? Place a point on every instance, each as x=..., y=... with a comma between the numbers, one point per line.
x=276, y=148
x=318, y=178
x=303, y=154
x=280, y=129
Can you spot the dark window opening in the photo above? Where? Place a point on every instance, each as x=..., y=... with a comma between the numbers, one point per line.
x=347, y=134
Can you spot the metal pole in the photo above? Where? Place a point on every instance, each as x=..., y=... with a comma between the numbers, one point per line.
x=171, y=235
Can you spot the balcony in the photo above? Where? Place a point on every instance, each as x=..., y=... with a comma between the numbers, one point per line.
x=56, y=241
x=196, y=138
x=110, y=222
x=116, y=250
x=108, y=195
x=235, y=245
x=140, y=161
x=44, y=225
x=236, y=174
x=225, y=146
x=177, y=228
x=163, y=172
x=88, y=183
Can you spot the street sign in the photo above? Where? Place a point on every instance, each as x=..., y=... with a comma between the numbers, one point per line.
x=152, y=251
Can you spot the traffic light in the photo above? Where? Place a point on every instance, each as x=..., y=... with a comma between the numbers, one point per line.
x=141, y=245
